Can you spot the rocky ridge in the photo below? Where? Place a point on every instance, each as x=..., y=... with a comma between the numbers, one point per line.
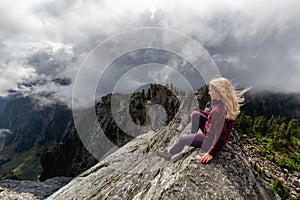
x=272, y=172
x=135, y=172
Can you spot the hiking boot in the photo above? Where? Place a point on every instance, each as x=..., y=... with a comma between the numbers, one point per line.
x=164, y=154
x=180, y=128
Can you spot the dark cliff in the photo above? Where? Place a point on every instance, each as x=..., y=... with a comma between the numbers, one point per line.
x=70, y=157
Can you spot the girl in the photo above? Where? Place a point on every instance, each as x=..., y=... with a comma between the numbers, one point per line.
x=216, y=125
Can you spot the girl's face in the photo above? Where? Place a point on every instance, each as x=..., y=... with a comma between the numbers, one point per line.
x=214, y=95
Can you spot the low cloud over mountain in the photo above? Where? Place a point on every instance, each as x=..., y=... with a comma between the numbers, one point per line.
x=252, y=43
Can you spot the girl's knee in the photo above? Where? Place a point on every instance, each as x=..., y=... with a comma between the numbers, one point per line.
x=195, y=114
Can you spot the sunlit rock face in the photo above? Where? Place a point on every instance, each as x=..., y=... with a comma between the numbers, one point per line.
x=135, y=172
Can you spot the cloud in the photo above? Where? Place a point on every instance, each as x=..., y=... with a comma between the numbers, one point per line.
x=51, y=59
x=11, y=73
x=3, y=132
x=38, y=70
x=253, y=43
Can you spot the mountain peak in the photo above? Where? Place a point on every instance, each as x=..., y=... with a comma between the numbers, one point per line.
x=135, y=172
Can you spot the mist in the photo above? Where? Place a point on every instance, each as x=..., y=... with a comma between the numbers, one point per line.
x=251, y=43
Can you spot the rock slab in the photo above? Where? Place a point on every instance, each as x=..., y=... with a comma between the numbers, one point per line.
x=135, y=172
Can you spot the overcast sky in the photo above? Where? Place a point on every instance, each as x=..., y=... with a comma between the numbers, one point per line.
x=251, y=42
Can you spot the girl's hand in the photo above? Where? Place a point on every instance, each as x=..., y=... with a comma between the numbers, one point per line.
x=205, y=158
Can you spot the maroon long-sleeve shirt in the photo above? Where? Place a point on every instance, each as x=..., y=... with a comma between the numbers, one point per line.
x=217, y=129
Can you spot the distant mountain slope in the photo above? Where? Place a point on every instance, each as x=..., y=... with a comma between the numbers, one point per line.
x=32, y=129
x=3, y=103
x=271, y=103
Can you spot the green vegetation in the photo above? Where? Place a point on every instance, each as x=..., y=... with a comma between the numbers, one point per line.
x=280, y=189
x=33, y=128
x=177, y=91
x=276, y=138
x=24, y=165
x=155, y=94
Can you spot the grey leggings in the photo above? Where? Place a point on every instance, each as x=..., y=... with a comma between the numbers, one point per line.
x=194, y=139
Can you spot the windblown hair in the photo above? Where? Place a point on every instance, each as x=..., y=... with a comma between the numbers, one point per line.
x=232, y=98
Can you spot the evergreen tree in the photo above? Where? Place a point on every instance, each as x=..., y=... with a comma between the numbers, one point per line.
x=243, y=124
x=291, y=130
x=171, y=87
x=148, y=94
x=271, y=126
x=260, y=126
x=281, y=140
x=143, y=94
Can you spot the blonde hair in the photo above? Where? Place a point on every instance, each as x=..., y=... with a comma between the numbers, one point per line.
x=232, y=98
